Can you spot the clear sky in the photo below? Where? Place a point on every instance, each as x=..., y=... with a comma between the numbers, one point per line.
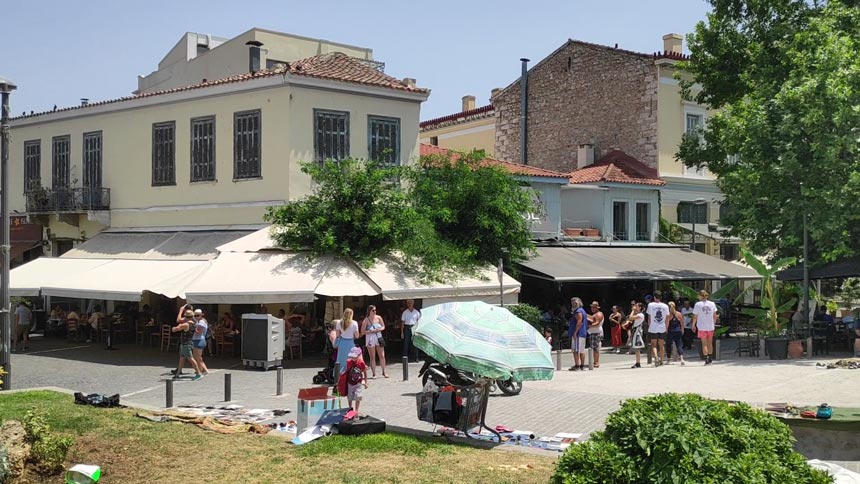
x=58, y=51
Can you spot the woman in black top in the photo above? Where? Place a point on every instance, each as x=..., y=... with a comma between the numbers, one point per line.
x=675, y=331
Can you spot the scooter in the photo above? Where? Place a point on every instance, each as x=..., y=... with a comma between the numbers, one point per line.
x=444, y=375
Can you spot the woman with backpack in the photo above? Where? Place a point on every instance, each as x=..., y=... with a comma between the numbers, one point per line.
x=675, y=331
x=347, y=332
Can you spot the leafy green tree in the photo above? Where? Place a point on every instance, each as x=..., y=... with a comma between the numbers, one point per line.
x=527, y=313
x=355, y=211
x=784, y=79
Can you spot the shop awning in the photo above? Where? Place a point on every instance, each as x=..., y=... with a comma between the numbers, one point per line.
x=28, y=279
x=122, y=280
x=847, y=267
x=396, y=284
x=274, y=276
x=583, y=264
x=190, y=245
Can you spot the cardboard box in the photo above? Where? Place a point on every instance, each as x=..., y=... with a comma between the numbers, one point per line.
x=312, y=404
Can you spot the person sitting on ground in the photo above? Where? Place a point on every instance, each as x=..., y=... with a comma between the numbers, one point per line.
x=356, y=376
x=185, y=326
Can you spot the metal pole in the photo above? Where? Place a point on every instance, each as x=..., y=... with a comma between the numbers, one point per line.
x=228, y=387
x=405, y=368
x=5, y=309
x=590, y=352
x=168, y=396
x=805, y=268
x=558, y=358
x=501, y=283
x=693, y=244
x=279, y=386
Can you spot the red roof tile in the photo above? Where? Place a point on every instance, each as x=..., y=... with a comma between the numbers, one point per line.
x=512, y=168
x=335, y=66
x=464, y=115
x=617, y=167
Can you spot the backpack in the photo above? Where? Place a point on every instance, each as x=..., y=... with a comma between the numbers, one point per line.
x=354, y=375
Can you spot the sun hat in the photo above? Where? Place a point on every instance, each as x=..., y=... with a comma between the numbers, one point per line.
x=355, y=352
x=198, y=311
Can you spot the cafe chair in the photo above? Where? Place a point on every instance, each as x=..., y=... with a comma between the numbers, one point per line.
x=167, y=339
x=222, y=342
x=72, y=329
x=139, y=332
x=294, y=342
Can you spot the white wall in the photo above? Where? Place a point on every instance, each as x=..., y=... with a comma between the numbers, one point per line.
x=591, y=206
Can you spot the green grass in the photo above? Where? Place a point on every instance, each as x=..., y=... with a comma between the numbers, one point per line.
x=386, y=442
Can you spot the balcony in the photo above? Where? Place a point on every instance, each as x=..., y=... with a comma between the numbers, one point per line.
x=67, y=200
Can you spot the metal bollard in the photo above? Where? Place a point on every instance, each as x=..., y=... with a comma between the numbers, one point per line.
x=228, y=387
x=717, y=345
x=336, y=373
x=279, y=386
x=648, y=351
x=762, y=351
x=809, y=343
x=590, y=352
x=405, y=368
x=168, y=397
x=558, y=359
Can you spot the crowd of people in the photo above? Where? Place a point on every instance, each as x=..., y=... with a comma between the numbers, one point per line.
x=664, y=328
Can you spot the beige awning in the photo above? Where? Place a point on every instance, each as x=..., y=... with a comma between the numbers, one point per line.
x=603, y=263
x=190, y=245
x=396, y=284
x=274, y=276
x=28, y=279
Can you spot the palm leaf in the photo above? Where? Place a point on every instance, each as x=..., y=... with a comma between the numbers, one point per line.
x=722, y=291
x=756, y=264
x=782, y=263
x=787, y=306
x=685, y=290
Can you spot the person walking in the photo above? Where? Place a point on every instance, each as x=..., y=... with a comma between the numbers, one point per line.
x=637, y=342
x=372, y=327
x=408, y=319
x=578, y=333
x=657, y=311
x=23, y=322
x=705, y=319
x=199, y=340
x=347, y=332
x=675, y=332
x=185, y=326
x=615, y=329
x=687, y=313
x=595, y=331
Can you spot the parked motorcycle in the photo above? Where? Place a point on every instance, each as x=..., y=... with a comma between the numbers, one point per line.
x=443, y=375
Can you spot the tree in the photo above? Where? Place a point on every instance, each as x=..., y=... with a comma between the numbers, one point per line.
x=355, y=211
x=478, y=211
x=773, y=302
x=784, y=79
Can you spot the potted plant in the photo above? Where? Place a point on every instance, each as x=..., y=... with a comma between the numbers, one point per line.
x=768, y=317
x=591, y=232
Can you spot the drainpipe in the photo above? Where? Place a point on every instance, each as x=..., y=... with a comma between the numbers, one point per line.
x=524, y=112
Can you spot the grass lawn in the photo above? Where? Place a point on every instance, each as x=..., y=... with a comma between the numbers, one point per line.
x=132, y=450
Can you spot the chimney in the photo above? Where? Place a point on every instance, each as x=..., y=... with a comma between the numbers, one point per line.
x=408, y=82
x=493, y=93
x=468, y=103
x=85, y=101
x=584, y=155
x=673, y=43
x=253, y=55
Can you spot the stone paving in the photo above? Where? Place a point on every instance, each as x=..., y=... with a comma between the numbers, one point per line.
x=571, y=402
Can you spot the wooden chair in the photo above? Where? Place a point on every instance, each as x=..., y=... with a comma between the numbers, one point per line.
x=139, y=332
x=167, y=339
x=121, y=332
x=294, y=342
x=103, y=329
x=72, y=329
x=223, y=342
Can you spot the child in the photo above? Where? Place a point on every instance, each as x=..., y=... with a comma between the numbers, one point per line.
x=356, y=375
x=547, y=334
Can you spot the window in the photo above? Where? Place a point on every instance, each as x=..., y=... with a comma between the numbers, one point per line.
x=93, y=160
x=60, y=168
x=694, y=122
x=434, y=140
x=203, y=149
x=32, y=164
x=164, y=154
x=619, y=220
x=331, y=135
x=272, y=64
x=246, y=145
x=700, y=247
x=688, y=211
x=384, y=140
x=729, y=252
x=643, y=221
x=726, y=211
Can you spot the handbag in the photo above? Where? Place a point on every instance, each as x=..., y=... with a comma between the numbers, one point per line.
x=380, y=341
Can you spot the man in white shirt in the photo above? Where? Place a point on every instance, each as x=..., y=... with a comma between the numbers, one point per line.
x=658, y=312
x=408, y=319
x=705, y=318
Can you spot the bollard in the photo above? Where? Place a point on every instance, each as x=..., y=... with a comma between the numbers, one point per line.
x=762, y=351
x=168, y=397
x=405, y=368
x=279, y=386
x=809, y=348
x=228, y=384
x=590, y=352
x=558, y=359
x=717, y=345
x=648, y=350
x=336, y=373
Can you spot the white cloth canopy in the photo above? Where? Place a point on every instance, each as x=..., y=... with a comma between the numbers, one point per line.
x=396, y=284
x=28, y=279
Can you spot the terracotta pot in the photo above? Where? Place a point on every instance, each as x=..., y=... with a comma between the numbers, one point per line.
x=591, y=232
x=572, y=232
x=795, y=349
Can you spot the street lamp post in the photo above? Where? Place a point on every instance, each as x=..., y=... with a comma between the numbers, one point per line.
x=6, y=87
x=696, y=203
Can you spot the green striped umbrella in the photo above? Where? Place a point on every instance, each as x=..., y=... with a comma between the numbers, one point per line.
x=484, y=339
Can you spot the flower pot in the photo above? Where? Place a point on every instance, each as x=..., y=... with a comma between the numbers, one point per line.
x=777, y=348
x=572, y=232
x=795, y=349
x=591, y=232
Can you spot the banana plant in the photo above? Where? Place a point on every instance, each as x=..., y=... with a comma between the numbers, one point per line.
x=693, y=295
x=768, y=317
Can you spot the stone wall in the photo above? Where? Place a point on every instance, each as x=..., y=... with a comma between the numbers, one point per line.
x=582, y=93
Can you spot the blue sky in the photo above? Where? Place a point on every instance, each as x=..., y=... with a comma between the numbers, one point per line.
x=58, y=51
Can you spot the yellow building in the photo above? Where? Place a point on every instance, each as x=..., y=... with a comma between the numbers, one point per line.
x=214, y=153
x=471, y=128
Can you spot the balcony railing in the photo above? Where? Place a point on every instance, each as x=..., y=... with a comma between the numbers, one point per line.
x=68, y=200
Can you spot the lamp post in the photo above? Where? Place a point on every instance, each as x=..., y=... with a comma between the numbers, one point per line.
x=805, y=263
x=6, y=87
x=696, y=203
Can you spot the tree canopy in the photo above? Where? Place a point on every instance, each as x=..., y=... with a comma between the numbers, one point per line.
x=783, y=77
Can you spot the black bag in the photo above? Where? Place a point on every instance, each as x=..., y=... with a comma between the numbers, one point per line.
x=380, y=340
x=361, y=426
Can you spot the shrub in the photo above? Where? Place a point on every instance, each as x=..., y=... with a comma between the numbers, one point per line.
x=48, y=451
x=675, y=438
x=527, y=313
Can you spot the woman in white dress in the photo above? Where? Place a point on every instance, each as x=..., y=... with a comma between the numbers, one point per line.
x=371, y=328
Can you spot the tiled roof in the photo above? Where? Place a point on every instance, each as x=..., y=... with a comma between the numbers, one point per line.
x=335, y=66
x=512, y=168
x=481, y=112
x=617, y=167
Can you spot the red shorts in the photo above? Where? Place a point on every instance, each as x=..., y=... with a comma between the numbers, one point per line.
x=705, y=334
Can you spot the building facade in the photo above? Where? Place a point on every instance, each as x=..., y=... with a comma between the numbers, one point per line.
x=214, y=153
x=471, y=128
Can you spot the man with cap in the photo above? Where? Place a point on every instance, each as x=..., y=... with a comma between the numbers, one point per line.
x=578, y=331
x=595, y=331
